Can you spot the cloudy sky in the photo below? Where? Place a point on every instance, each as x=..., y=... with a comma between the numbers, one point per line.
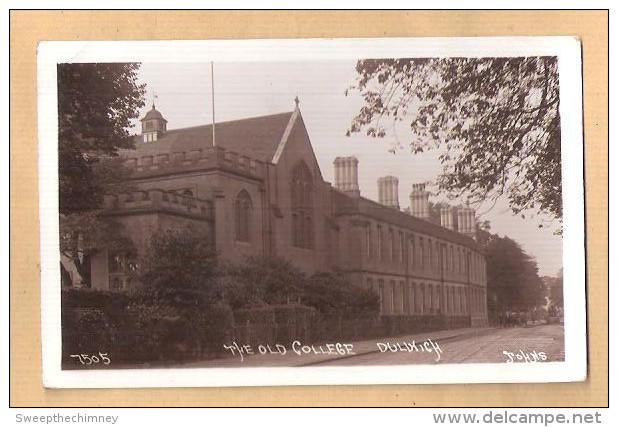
x=248, y=89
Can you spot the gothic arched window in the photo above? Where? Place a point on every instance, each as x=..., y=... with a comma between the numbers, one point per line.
x=302, y=207
x=242, y=216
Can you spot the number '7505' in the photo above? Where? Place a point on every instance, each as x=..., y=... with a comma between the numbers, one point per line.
x=92, y=359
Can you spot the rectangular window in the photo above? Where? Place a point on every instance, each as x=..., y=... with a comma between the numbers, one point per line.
x=391, y=236
x=392, y=301
x=402, y=247
x=458, y=260
x=380, y=248
x=368, y=240
x=404, y=298
x=421, y=254
x=422, y=299
x=412, y=252
x=412, y=298
x=115, y=262
x=381, y=294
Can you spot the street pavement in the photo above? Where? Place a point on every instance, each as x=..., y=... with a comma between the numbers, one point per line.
x=517, y=344
x=466, y=345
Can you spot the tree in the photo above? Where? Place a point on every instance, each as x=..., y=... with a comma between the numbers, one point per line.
x=83, y=234
x=178, y=259
x=556, y=291
x=261, y=281
x=96, y=103
x=495, y=120
x=512, y=275
x=332, y=293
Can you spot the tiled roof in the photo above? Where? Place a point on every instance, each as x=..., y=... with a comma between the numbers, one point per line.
x=153, y=114
x=346, y=205
x=256, y=137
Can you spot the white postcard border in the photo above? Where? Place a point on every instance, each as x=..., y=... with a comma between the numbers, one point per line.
x=567, y=49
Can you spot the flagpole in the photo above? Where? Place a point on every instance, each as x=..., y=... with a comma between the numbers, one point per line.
x=212, y=85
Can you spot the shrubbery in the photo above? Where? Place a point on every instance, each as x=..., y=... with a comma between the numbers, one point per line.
x=332, y=294
x=142, y=327
x=184, y=306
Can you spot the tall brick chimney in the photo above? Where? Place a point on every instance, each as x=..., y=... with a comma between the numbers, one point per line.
x=346, y=175
x=388, y=191
x=419, y=201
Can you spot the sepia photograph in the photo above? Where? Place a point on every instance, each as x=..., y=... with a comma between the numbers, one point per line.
x=339, y=212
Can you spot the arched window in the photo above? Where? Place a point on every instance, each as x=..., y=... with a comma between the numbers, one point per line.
x=302, y=207
x=242, y=215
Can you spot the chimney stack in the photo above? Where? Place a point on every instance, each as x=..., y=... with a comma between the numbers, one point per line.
x=466, y=221
x=388, y=191
x=446, y=217
x=419, y=201
x=346, y=175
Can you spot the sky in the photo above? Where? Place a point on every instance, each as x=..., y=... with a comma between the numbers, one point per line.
x=249, y=89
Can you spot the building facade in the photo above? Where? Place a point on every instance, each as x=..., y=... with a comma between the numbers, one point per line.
x=253, y=187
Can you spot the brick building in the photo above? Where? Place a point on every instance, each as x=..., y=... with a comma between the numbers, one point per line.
x=259, y=191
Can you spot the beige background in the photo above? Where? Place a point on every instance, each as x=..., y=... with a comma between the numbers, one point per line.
x=27, y=28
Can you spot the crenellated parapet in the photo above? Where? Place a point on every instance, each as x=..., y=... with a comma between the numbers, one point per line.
x=157, y=200
x=195, y=160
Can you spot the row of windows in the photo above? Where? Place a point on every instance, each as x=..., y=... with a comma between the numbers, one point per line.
x=150, y=137
x=426, y=298
x=423, y=252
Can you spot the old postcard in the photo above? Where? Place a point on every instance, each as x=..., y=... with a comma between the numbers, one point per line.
x=279, y=212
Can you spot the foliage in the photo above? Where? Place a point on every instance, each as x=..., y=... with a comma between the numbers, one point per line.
x=177, y=322
x=85, y=331
x=96, y=103
x=495, y=120
x=512, y=275
x=261, y=280
x=111, y=303
x=332, y=293
x=260, y=314
x=556, y=290
x=155, y=324
x=83, y=234
x=180, y=259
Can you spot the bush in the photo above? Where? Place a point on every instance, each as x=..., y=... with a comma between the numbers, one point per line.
x=295, y=322
x=262, y=314
x=261, y=281
x=85, y=331
x=212, y=328
x=333, y=295
x=178, y=259
x=153, y=325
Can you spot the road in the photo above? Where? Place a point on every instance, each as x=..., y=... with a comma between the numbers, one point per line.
x=518, y=343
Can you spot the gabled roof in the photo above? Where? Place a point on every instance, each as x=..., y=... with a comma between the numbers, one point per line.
x=256, y=137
